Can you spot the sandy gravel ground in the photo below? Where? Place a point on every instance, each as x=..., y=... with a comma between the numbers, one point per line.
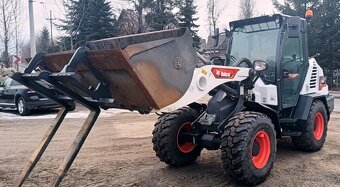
x=119, y=152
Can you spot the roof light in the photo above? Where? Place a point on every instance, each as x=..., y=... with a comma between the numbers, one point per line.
x=309, y=14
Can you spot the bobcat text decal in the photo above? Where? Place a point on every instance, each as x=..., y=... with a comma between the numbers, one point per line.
x=224, y=73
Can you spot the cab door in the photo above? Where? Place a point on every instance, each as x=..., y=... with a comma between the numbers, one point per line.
x=293, y=71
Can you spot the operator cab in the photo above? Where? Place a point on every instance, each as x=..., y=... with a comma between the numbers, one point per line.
x=279, y=40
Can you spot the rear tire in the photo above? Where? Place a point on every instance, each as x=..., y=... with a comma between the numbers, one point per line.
x=22, y=107
x=314, y=130
x=169, y=143
x=248, y=147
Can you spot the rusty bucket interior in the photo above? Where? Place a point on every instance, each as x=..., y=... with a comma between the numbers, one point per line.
x=151, y=70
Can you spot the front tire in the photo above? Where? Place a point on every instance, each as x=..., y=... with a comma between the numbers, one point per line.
x=172, y=141
x=314, y=130
x=248, y=147
x=22, y=107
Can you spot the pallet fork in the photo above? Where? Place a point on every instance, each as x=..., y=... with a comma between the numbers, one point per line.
x=121, y=72
x=32, y=81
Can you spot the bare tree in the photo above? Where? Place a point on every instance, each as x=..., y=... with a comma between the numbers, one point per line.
x=127, y=22
x=247, y=9
x=215, y=9
x=18, y=25
x=10, y=27
x=139, y=6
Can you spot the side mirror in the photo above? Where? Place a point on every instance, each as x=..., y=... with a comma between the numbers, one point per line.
x=260, y=65
x=316, y=55
x=216, y=37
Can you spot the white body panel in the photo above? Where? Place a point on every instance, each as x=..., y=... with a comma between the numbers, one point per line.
x=209, y=77
x=265, y=94
x=312, y=81
x=206, y=79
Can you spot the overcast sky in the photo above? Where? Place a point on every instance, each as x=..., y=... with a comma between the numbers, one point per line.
x=231, y=12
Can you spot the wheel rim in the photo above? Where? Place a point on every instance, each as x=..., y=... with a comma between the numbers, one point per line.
x=21, y=106
x=184, y=141
x=319, y=126
x=261, y=149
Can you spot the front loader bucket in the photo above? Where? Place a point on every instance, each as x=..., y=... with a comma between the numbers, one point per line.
x=138, y=72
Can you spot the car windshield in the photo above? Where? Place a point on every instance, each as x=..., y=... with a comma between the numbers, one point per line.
x=254, y=43
x=7, y=83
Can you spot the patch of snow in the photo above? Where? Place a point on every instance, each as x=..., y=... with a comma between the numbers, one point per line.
x=12, y=115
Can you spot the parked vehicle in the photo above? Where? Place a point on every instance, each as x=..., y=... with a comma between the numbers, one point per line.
x=13, y=95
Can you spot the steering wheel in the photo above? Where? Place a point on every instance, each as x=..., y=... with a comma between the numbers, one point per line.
x=244, y=60
x=217, y=59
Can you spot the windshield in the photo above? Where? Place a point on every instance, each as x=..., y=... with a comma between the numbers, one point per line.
x=255, y=45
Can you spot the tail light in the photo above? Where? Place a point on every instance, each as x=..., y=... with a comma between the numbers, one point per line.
x=322, y=82
x=30, y=91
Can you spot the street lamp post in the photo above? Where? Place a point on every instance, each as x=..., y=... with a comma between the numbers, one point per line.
x=32, y=31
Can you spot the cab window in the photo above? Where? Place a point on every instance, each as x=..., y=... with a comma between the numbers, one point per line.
x=293, y=68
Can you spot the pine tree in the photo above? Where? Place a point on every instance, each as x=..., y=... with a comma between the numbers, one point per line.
x=296, y=7
x=160, y=13
x=43, y=43
x=88, y=20
x=186, y=18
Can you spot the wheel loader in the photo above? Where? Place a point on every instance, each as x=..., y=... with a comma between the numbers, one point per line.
x=266, y=89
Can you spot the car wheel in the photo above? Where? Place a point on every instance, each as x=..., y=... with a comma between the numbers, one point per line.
x=22, y=108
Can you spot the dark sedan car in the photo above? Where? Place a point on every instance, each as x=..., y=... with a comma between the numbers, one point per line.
x=13, y=95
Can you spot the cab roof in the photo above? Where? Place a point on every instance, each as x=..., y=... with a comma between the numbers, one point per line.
x=278, y=18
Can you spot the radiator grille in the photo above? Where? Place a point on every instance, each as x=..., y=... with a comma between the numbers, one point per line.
x=313, y=79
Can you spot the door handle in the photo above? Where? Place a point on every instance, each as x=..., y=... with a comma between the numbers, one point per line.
x=285, y=73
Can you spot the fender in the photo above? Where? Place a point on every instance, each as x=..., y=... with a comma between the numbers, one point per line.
x=20, y=93
x=271, y=113
x=305, y=103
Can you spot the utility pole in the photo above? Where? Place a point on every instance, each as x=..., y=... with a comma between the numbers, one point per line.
x=51, y=24
x=32, y=31
x=16, y=32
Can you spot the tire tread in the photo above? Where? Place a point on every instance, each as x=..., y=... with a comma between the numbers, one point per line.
x=234, y=146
